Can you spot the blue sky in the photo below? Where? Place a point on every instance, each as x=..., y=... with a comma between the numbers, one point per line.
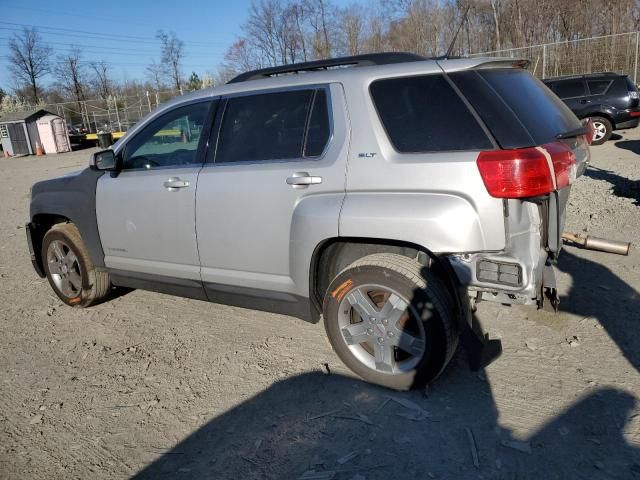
x=122, y=33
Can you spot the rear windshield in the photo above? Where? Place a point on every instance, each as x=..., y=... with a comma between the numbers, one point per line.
x=630, y=85
x=425, y=114
x=519, y=110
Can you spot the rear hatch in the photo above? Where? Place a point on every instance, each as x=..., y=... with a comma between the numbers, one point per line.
x=543, y=145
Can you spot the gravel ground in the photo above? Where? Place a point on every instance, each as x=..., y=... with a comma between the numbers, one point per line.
x=153, y=386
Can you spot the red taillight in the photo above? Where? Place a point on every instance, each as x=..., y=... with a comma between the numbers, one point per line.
x=563, y=160
x=525, y=172
x=592, y=131
x=634, y=113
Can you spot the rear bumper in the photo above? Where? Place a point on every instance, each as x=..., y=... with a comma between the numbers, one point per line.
x=474, y=271
x=29, y=228
x=633, y=123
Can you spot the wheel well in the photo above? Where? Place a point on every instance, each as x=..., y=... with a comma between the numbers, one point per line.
x=334, y=255
x=42, y=222
x=603, y=115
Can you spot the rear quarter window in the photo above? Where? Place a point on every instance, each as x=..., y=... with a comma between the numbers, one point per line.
x=598, y=87
x=425, y=114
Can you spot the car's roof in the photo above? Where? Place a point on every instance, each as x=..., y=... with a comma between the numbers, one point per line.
x=608, y=75
x=363, y=74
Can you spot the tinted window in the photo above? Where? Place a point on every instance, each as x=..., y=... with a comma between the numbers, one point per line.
x=533, y=106
x=425, y=114
x=568, y=88
x=598, y=87
x=170, y=140
x=264, y=127
x=318, y=132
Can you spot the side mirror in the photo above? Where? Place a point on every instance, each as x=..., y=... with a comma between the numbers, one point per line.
x=104, y=160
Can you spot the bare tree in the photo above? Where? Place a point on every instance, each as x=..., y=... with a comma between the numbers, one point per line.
x=29, y=59
x=172, y=53
x=101, y=80
x=70, y=74
x=155, y=73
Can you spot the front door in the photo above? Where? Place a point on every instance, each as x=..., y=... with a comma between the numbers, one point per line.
x=146, y=213
x=278, y=180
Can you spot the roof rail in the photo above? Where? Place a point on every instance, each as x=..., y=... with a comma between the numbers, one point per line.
x=355, y=60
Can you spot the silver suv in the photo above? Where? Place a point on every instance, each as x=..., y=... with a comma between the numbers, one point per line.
x=385, y=193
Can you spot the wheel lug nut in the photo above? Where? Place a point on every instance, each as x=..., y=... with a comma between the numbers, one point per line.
x=380, y=340
x=385, y=321
x=369, y=331
x=390, y=334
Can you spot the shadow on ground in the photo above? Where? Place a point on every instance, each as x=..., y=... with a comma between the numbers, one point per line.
x=331, y=426
x=599, y=293
x=631, y=145
x=289, y=429
x=622, y=186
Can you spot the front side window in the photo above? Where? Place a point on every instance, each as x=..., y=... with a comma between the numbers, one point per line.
x=169, y=141
x=569, y=88
x=274, y=126
x=425, y=114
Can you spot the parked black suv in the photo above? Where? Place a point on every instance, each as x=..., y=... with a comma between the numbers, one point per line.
x=610, y=100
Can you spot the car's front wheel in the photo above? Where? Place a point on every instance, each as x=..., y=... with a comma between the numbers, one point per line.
x=391, y=321
x=69, y=268
x=602, y=130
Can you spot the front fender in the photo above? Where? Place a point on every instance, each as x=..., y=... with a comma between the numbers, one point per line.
x=72, y=197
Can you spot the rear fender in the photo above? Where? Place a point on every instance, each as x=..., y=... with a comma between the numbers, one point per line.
x=438, y=222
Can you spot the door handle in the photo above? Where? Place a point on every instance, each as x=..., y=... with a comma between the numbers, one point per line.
x=303, y=180
x=174, y=183
x=583, y=101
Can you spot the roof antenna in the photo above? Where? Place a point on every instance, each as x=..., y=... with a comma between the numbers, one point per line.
x=455, y=37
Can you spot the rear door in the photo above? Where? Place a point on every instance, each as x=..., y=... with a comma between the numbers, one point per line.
x=573, y=92
x=280, y=162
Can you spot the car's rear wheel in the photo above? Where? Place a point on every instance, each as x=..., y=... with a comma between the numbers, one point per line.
x=602, y=130
x=69, y=268
x=391, y=321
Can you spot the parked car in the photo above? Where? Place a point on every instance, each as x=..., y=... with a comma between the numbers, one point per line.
x=387, y=198
x=610, y=100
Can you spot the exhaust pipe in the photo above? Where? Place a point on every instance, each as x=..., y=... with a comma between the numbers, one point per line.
x=595, y=243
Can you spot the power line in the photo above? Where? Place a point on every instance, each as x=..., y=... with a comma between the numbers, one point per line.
x=84, y=32
x=129, y=53
x=82, y=46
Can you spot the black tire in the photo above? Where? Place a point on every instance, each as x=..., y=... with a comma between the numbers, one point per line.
x=95, y=285
x=604, y=125
x=431, y=306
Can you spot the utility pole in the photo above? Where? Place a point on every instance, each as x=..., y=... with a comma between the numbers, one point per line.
x=149, y=99
x=115, y=103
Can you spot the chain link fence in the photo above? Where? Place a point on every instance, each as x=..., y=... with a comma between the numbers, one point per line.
x=113, y=114
x=611, y=53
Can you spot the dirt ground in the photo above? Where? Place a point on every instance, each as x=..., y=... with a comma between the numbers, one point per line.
x=154, y=386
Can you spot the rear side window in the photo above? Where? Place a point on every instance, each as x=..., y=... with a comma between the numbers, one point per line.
x=517, y=108
x=598, y=87
x=273, y=126
x=425, y=114
x=569, y=88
